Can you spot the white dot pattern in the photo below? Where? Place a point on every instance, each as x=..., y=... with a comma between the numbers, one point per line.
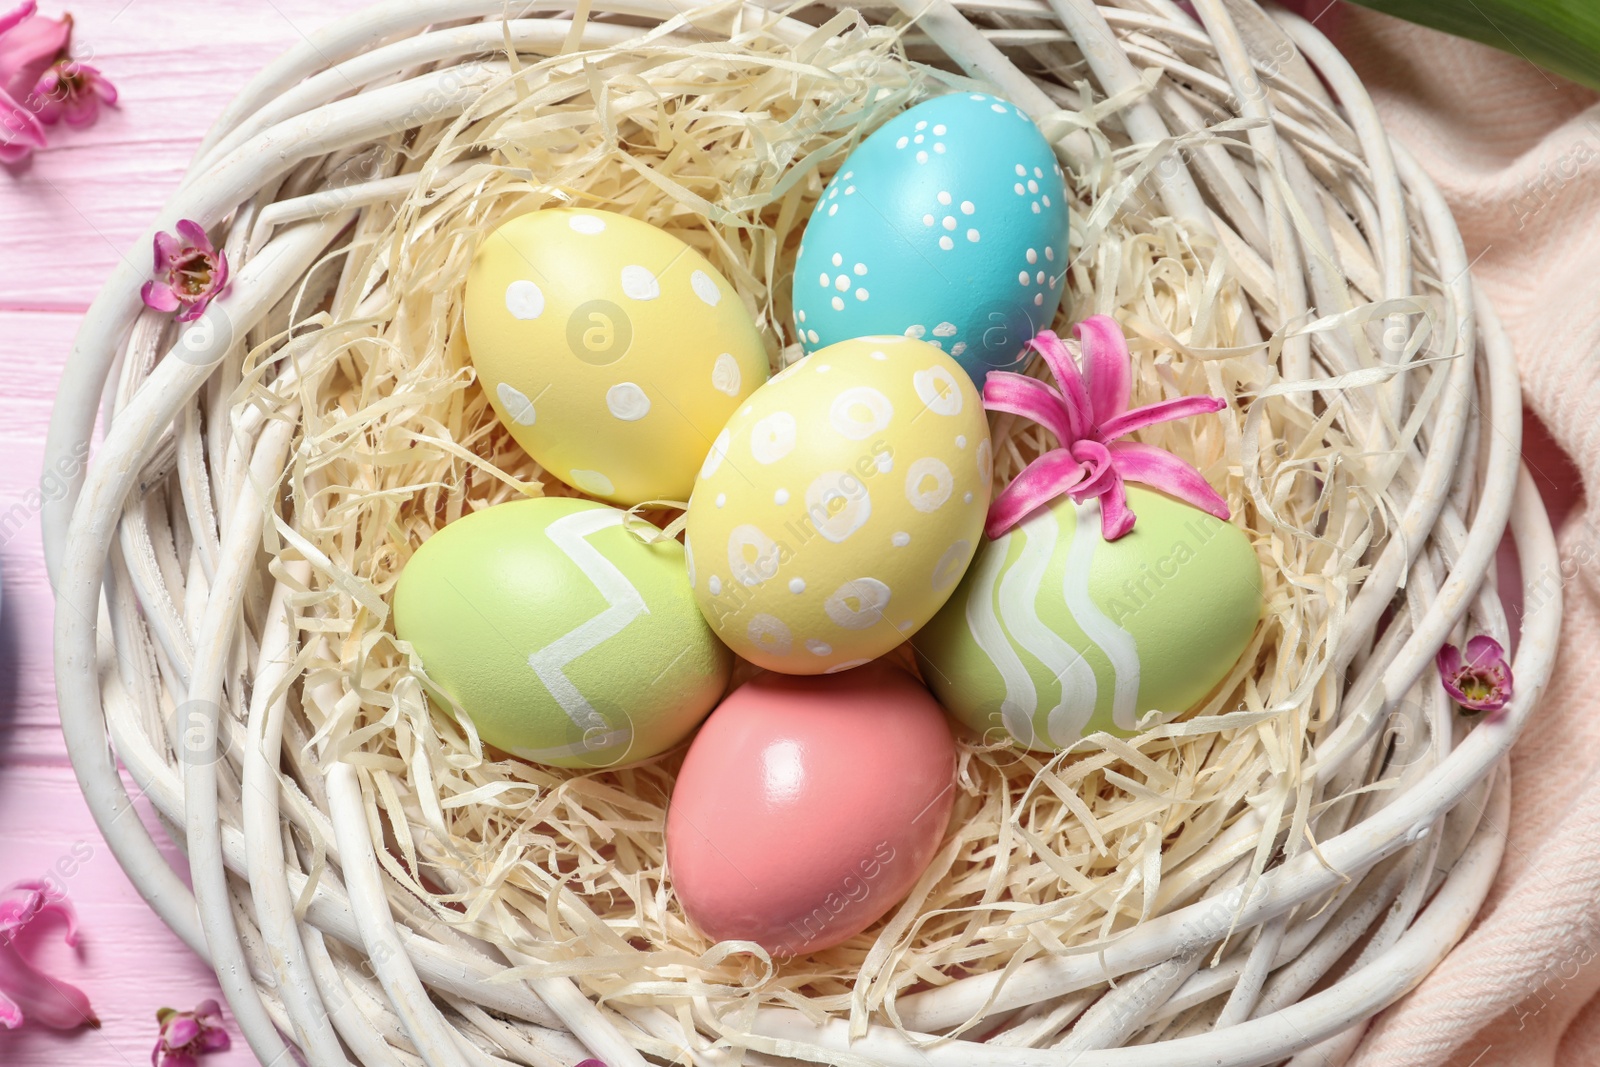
x=772, y=438
x=592, y=482
x=524, y=300
x=771, y=634
x=929, y=484
x=726, y=377
x=858, y=603
x=627, y=402
x=517, y=406
x=705, y=288
x=638, y=283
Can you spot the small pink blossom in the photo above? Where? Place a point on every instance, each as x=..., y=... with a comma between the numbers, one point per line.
x=72, y=91
x=1088, y=413
x=589, y=1063
x=188, y=1035
x=1480, y=680
x=27, y=993
x=29, y=44
x=40, y=82
x=190, y=272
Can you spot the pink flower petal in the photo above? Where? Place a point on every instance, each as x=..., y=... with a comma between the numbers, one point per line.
x=1449, y=663
x=1106, y=365
x=46, y=101
x=20, y=129
x=159, y=297
x=1116, y=518
x=1099, y=473
x=1040, y=482
x=10, y=1014
x=45, y=904
x=1162, y=470
x=1073, y=391
x=39, y=997
x=219, y=274
x=1484, y=651
x=29, y=45
x=180, y=1030
x=80, y=109
x=195, y=235
x=1030, y=398
x=13, y=18
x=168, y=249
x=103, y=88
x=1163, y=411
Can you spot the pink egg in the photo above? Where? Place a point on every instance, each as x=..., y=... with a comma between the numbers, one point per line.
x=807, y=807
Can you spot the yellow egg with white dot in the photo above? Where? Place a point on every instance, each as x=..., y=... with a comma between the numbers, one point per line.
x=838, y=508
x=610, y=349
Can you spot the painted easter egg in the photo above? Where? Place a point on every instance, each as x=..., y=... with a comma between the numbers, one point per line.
x=611, y=350
x=1056, y=633
x=838, y=509
x=808, y=807
x=564, y=637
x=948, y=224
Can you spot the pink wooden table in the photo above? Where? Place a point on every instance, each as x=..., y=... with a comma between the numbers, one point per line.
x=65, y=219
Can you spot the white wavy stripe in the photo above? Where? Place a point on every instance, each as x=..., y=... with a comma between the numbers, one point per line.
x=1016, y=712
x=1114, y=641
x=1019, y=595
x=623, y=605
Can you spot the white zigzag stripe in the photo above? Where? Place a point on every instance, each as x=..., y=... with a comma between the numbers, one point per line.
x=624, y=604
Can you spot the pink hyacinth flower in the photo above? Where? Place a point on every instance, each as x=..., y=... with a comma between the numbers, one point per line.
x=188, y=1035
x=72, y=91
x=190, y=272
x=27, y=993
x=1088, y=413
x=29, y=44
x=1479, y=680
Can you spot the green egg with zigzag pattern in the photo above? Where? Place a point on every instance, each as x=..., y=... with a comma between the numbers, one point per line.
x=566, y=639
x=1055, y=633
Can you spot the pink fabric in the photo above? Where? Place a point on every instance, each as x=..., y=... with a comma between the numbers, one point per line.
x=1517, y=152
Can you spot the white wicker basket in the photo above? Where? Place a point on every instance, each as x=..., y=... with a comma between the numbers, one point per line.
x=168, y=621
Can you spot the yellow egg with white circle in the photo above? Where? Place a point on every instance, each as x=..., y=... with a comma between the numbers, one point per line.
x=838, y=508
x=610, y=349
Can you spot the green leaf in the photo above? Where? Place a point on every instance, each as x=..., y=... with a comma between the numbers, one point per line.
x=1562, y=36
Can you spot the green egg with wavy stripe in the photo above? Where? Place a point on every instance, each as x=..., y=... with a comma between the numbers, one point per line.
x=1055, y=633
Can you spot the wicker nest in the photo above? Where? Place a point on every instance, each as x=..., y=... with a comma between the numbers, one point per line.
x=1246, y=885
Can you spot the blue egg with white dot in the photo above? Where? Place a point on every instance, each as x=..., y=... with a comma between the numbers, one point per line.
x=948, y=224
